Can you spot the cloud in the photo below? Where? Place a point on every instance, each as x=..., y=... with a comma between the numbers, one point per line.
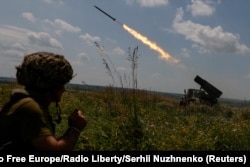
x=29, y=16
x=18, y=46
x=122, y=69
x=83, y=57
x=48, y=1
x=66, y=26
x=52, y=1
x=43, y=39
x=247, y=76
x=201, y=8
x=47, y=21
x=90, y=39
x=13, y=41
x=185, y=52
x=12, y=49
x=63, y=25
x=118, y=51
x=148, y=3
x=208, y=38
x=17, y=41
x=12, y=33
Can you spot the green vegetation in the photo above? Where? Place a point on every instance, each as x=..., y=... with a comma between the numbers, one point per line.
x=139, y=120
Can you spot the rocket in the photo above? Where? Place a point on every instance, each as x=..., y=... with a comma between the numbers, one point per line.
x=105, y=13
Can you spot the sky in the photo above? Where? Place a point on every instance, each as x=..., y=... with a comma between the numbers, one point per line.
x=176, y=40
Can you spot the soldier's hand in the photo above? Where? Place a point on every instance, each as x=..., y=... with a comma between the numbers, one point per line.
x=77, y=120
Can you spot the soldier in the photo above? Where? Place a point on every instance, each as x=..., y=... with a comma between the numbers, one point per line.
x=25, y=121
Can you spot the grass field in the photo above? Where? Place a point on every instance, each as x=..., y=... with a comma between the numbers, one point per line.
x=139, y=120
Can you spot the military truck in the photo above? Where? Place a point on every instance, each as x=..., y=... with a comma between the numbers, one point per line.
x=207, y=94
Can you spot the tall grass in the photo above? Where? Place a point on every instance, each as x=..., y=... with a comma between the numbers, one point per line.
x=129, y=98
x=162, y=124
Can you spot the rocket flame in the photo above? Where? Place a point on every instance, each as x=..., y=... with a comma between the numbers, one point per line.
x=152, y=45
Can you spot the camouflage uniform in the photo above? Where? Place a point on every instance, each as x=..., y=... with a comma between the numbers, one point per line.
x=25, y=117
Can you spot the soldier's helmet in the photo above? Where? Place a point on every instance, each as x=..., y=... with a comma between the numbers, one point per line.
x=44, y=71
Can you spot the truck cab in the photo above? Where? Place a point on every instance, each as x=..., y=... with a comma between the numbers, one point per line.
x=192, y=96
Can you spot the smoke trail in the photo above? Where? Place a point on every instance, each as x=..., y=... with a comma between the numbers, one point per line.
x=152, y=45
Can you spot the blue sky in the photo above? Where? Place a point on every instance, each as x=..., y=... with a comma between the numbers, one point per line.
x=209, y=38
